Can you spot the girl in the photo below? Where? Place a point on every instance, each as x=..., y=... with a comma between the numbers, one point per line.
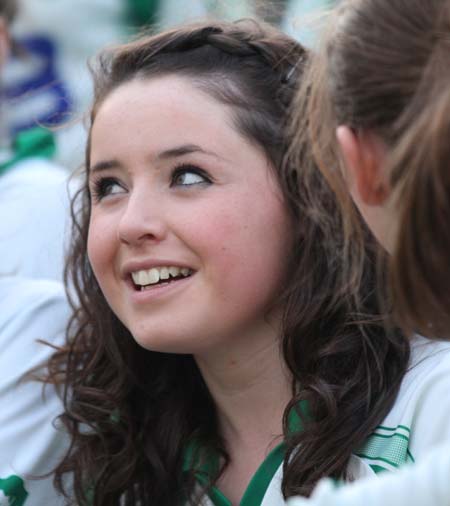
x=210, y=340
x=389, y=119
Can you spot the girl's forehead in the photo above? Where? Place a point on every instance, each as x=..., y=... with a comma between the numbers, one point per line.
x=166, y=111
x=153, y=99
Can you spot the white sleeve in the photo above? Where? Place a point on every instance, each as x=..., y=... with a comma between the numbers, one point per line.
x=422, y=484
x=35, y=219
x=29, y=443
x=430, y=425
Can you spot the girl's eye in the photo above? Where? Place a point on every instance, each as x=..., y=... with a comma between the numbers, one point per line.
x=188, y=175
x=106, y=186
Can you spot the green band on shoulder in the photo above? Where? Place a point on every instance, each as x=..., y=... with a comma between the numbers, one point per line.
x=13, y=488
x=387, y=448
x=35, y=142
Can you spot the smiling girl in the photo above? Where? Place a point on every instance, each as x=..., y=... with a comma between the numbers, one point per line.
x=211, y=341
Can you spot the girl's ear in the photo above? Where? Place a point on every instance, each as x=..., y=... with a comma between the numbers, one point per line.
x=364, y=155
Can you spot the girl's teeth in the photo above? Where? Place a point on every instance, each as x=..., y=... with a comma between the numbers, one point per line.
x=140, y=278
x=174, y=271
x=152, y=276
x=164, y=273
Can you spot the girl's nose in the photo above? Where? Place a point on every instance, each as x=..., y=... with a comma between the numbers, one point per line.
x=142, y=220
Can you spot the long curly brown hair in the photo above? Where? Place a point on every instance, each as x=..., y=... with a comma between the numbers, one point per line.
x=130, y=412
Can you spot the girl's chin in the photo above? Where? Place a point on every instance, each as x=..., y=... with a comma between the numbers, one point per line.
x=167, y=345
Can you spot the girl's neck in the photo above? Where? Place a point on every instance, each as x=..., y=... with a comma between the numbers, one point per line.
x=251, y=387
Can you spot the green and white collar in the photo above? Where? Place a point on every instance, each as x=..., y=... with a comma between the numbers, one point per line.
x=208, y=467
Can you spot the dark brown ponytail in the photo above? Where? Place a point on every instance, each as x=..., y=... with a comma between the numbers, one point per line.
x=420, y=271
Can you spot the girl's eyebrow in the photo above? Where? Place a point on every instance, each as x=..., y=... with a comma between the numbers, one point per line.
x=184, y=149
x=175, y=152
x=104, y=165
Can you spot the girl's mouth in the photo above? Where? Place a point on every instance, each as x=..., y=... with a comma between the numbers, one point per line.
x=148, y=278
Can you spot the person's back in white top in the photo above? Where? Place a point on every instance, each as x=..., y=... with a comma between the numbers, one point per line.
x=29, y=444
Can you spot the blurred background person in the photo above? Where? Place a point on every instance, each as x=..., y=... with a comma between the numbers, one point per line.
x=34, y=205
x=33, y=307
x=51, y=85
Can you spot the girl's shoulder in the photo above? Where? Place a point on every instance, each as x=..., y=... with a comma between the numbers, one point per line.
x=429, y=369
x=427, y=354
x=32, y=310
x=21, y=296
x=423, y=484
x=15, y=287
x=418, y=420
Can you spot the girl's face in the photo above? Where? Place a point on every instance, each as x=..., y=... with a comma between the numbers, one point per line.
x=189, y=237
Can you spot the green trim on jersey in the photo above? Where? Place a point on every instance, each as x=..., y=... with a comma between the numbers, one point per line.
x=254, y=494
x=37, y=141
x=387, y=448
x=14, y=489
x=260, y=482
x=206, y=466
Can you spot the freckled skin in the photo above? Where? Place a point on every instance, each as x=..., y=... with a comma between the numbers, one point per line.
x=234, y=232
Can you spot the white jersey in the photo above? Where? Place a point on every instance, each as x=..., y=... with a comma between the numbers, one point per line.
x=29, y=444
x=419, y=419
x=34, y=208
x=418, y=422
x=423, y=484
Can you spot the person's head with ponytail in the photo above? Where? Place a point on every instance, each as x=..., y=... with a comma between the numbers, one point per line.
x=376, y=123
